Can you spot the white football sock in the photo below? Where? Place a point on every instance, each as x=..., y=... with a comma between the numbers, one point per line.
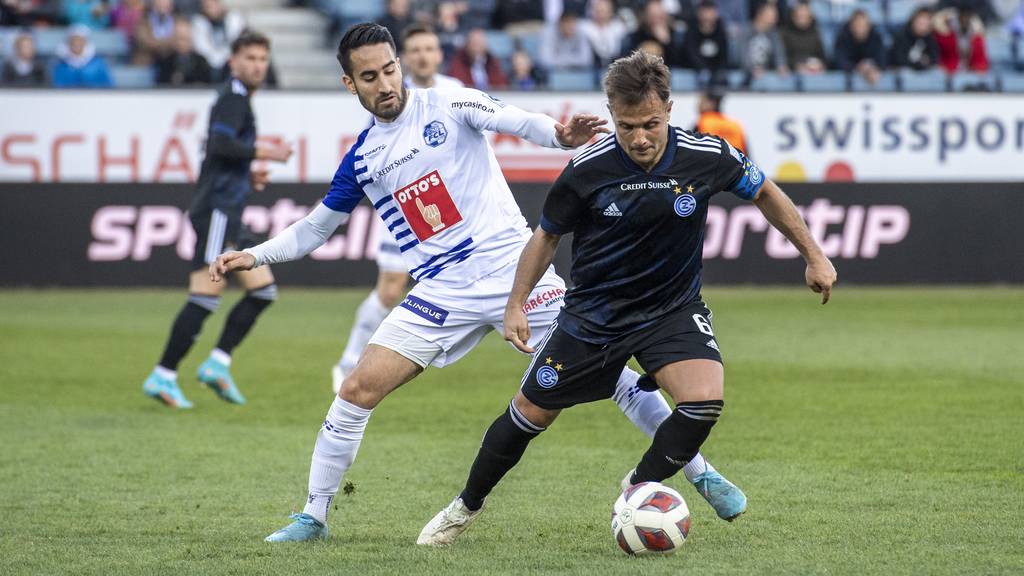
x=369, y=315
x=166, y=372
x=335, y=450
x=647, y=410
x=221, y=356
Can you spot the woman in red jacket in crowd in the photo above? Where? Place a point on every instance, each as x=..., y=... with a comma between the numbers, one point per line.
x=961, y=40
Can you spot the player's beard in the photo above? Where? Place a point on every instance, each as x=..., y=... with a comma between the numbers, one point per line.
x=389, y=113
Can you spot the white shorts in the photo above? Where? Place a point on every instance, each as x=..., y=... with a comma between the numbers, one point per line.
x=389, y=257
x=455, y=321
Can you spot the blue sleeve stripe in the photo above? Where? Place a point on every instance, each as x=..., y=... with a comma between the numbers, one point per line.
x=360, y=170
x=382, y=202
x=403, y=234
x=222, y=128
x=345, y=192
x=389, y=213
x=552, y=228
x=398, y=222
x=405, y=247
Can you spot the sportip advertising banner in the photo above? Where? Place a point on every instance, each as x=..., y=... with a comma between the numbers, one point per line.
x=124, y=136
x=140, y=235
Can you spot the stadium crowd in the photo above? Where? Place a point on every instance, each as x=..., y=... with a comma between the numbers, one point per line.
x=555, y=44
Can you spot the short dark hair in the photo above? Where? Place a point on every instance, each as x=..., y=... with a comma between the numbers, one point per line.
x=631, y=79
x=249, y=37
x=415, y=29
x=359, y=35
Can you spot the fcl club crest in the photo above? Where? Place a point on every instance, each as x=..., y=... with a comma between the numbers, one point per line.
x=435, y=134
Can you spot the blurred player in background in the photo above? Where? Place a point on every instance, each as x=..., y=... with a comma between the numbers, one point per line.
x=636, y=203
x=426, y=166
x=710, y=120
x=421, y=59
x=225, y=180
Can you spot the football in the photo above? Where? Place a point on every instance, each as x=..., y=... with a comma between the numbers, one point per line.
x=650, y=518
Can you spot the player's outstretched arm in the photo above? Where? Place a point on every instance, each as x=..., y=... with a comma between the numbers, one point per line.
x=780, y=211
x=483, y=112
x=535, y=259
x=294, y=242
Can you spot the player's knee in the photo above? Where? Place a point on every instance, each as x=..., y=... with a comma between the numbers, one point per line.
x=535, y=414
x=358, y=390
x=389, y=291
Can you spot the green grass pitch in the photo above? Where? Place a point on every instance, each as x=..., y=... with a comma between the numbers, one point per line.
x=881, y=434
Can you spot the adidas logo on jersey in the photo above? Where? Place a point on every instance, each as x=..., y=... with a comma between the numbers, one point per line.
x=713, y=345
x=612, y=210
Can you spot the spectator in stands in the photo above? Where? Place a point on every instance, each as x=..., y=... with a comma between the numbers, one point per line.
x=184, y=66
x=450, y=30
x=519, y=16
x=154, y=37
x=30, y=12
x=525, y=76
x=422, y=58
x=710, y=120
x=604, y=31
x=859, y=48
x=92, y=13
x=961, y=39
x=762, y=48
x=78, y=66
x=1016, y=27
x=707, y=47
x=127, y=16
x=802, y=41
x=213, y=31
x=914, y=46
x=397, y=17
x=475, y=66
x=24, y=68
x=655, y=26
x=564, y=47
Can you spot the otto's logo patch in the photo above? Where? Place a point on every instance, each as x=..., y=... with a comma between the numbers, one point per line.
x=435, y=133
x=425, y=309
x=685, y=205
x=547, y=377
x=427, y=205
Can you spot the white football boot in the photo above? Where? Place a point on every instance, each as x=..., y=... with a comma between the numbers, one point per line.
x=446, y=526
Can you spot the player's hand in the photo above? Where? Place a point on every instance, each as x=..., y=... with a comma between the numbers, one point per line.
x=820, y=277
x=431, y=213
x=274, y=152
x=229, y=262
x=580, y=129
x=517, y=329
x=259, y=178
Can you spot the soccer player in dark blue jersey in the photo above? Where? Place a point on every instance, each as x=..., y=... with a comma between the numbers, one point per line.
x=636, y=203
x=225, y=181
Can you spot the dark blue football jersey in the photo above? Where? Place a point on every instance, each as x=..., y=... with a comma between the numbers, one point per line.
x=638, y=236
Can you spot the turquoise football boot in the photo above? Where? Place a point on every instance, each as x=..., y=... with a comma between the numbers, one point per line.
x=727, y=500
x=217, y=376
x=165, y=390
x=305, y=528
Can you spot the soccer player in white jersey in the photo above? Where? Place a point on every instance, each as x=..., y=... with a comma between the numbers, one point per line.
x=421, y=59
x=428, y=170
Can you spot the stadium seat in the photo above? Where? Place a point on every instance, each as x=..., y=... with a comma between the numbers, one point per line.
x=571, y=80
x=1012, y=82
x=684, y=80
x=357, y=9
x=972, y=82
x=531, y=43
x=772, y=82
x=132, y=76
x=830, y=81
x=737, y=79
x=500, y=44
x=997, y=46
x=900, y=11
x=111, y=43
x=926, y=81
x=48, y=39
x=887, y=83
x=828, y=34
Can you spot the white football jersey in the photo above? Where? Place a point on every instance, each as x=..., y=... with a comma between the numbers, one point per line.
x=435, y=183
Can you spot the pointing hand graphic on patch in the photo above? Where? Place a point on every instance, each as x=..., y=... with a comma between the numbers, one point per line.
x=431, y=214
